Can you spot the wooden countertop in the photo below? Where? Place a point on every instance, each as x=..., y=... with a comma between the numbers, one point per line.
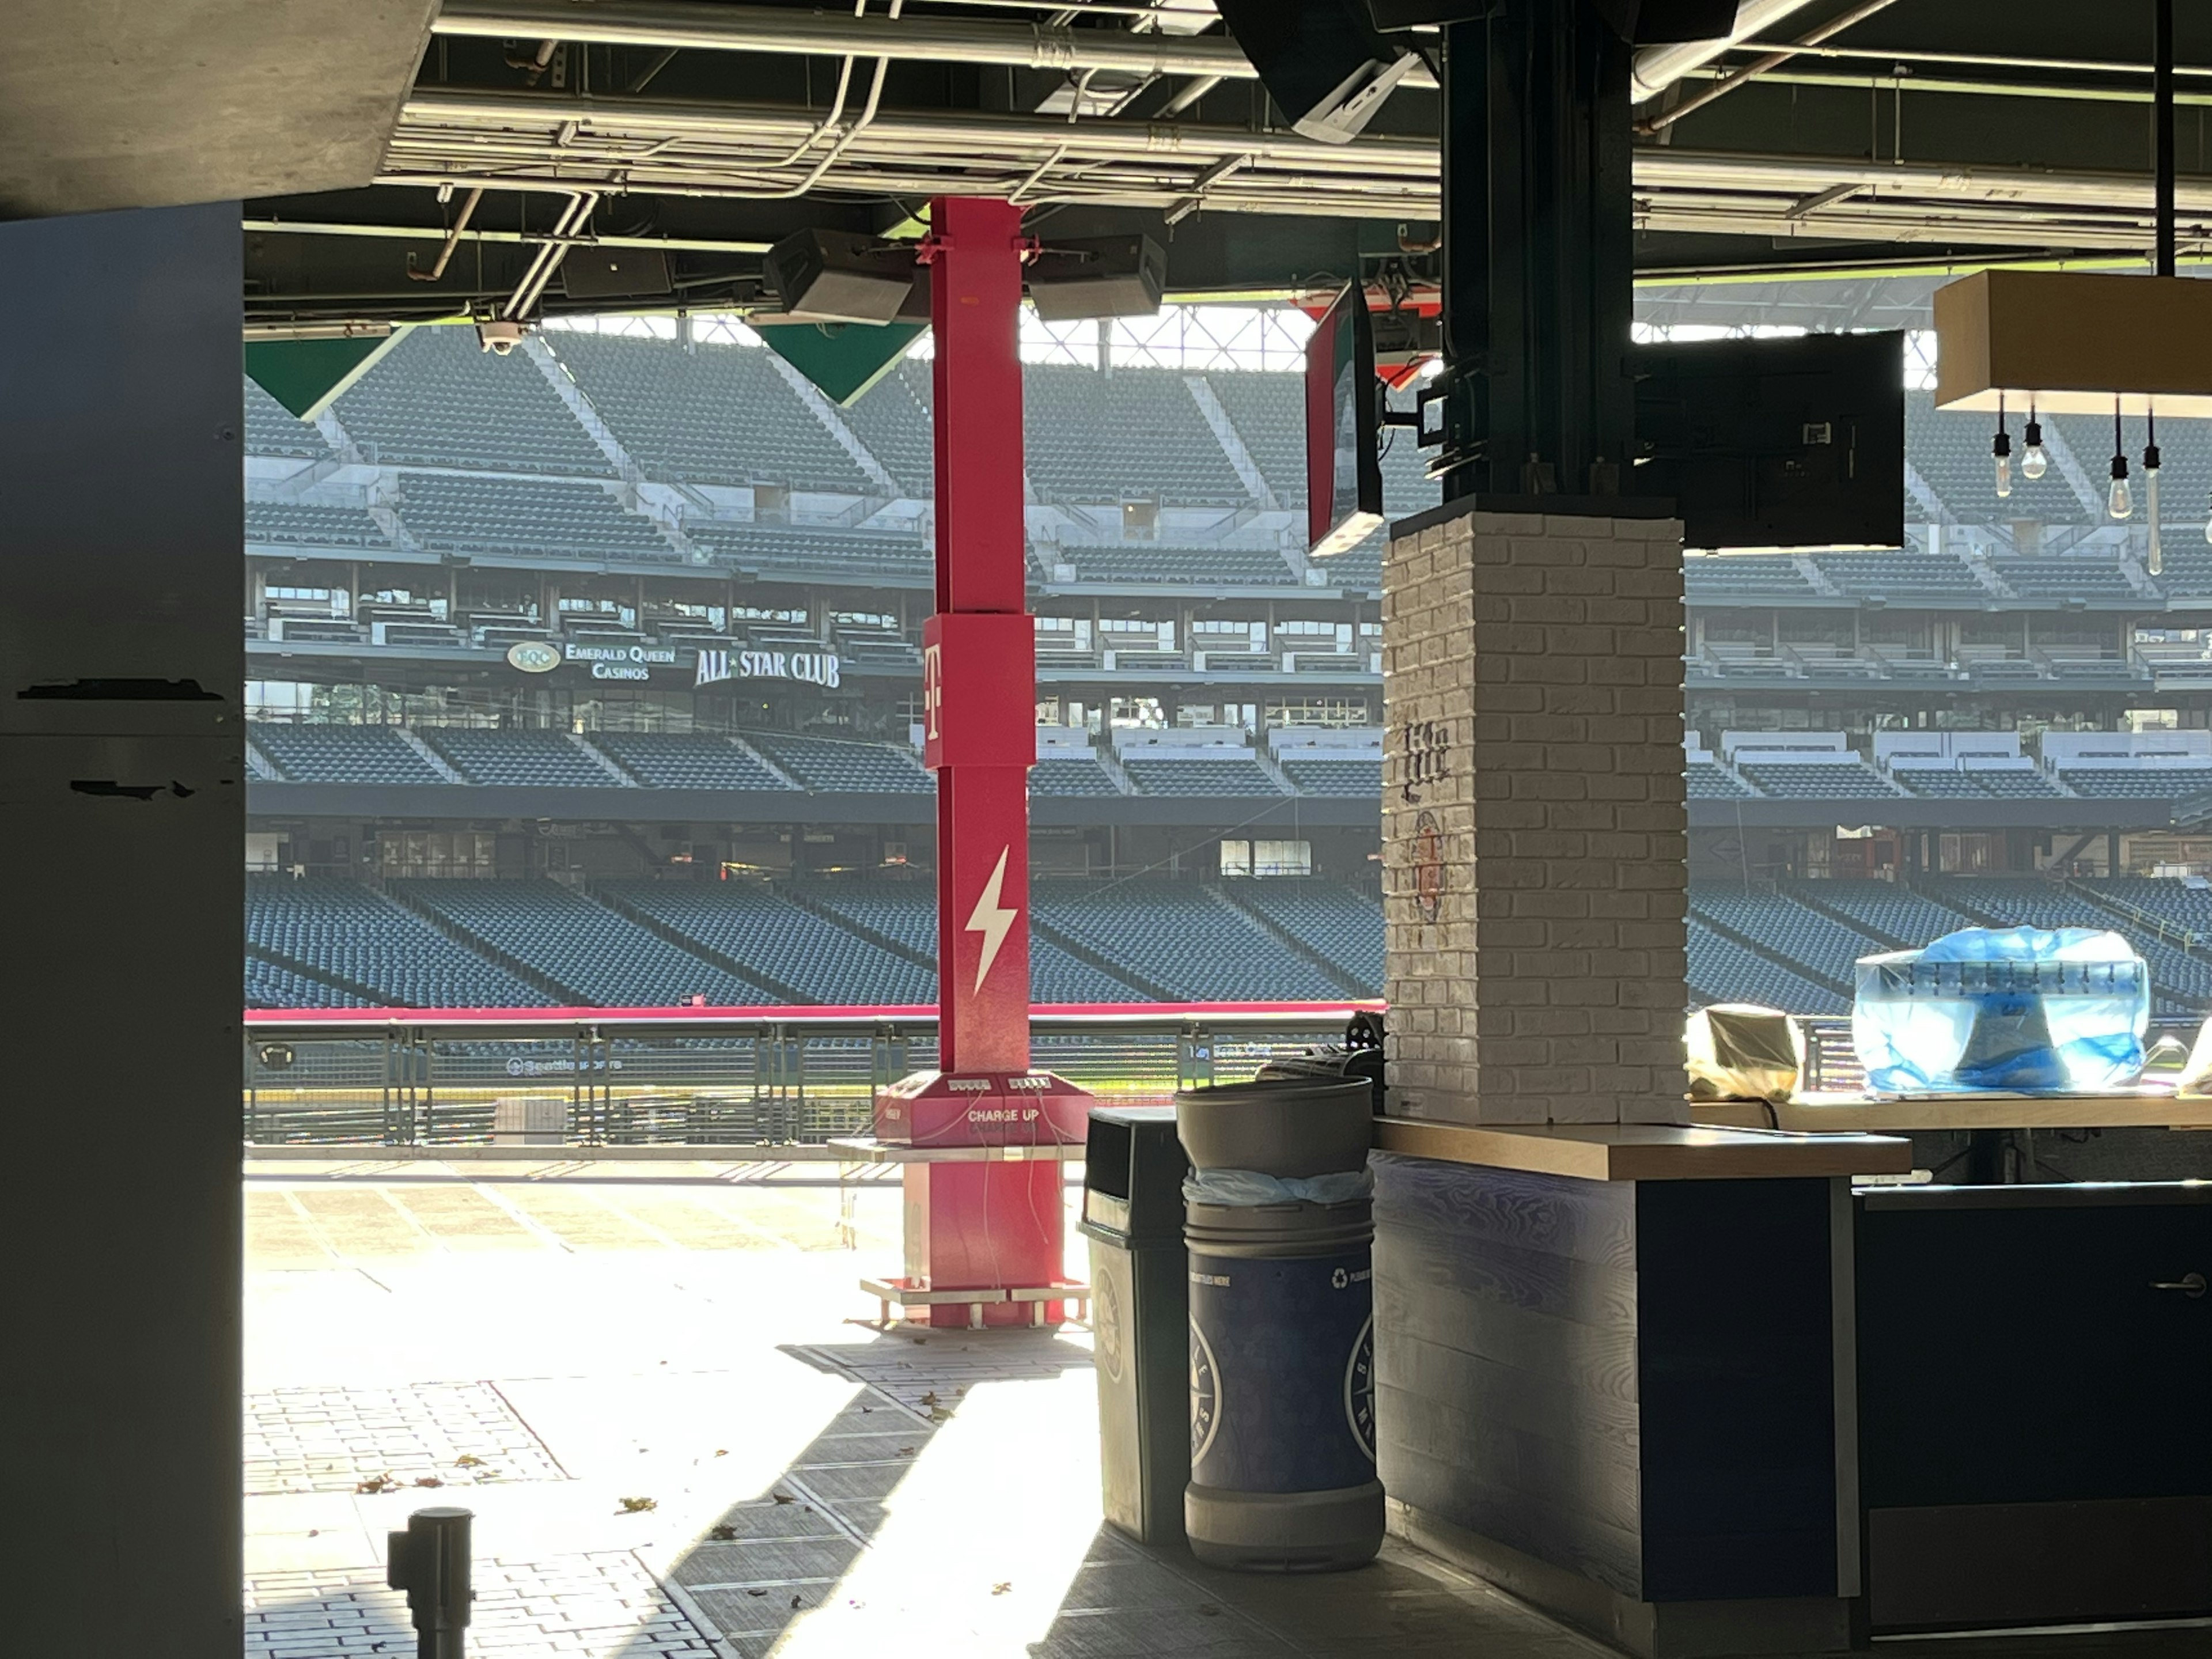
x=2128, y=1109
x=1634, y=1151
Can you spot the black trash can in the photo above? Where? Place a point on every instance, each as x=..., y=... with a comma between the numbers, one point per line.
x=1360, y=1055
x=1133, y=1214
x=1279, y=1224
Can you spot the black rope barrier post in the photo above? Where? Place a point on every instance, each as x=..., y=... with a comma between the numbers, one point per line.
x=430, y=1562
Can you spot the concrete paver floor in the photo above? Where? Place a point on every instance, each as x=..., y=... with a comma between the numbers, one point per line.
x=649, y=1386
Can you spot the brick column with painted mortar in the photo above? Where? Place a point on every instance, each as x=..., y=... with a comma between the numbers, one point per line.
x=1533, y=831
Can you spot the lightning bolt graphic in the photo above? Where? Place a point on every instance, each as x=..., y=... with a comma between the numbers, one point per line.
x=991, y=918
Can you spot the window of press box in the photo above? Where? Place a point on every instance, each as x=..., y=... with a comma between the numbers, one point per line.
x=1266, y=858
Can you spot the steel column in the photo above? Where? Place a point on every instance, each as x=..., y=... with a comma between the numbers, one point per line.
x=979, y=650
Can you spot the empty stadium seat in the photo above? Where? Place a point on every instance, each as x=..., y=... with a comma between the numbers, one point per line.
x=1059, y=776
x=2137, y=782
x=1135, y=432
x=716, y=414
x=894, y=559
x=603, y=959
x=436, y=399
x=753, y=928
x=1335, y=777
x=828, y=765
x=545, y=759
x=1840, y=780
x=527, y=516
x=1709, y=780
x=1885, y=911
x=1190, y=567
x=893, y=418
x=1785, y=930
x=906, y=913
x=661, y=761
x=341, y=754
x=353, y=932
x=1200, y=777
x=1341, y=924
x=268, y=984
x=273, y=430
x=1720, y=971
x=1178, y=935
x=305, y=524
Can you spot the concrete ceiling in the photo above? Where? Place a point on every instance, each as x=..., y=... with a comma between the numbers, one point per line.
x=154, y=103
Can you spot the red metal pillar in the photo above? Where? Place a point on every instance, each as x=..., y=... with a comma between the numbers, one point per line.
x=982, y=1213
x=979, y=650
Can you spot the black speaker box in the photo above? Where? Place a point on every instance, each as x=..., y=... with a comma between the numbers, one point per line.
x=839, y=277
x=1098, y=276
x=1323, y=61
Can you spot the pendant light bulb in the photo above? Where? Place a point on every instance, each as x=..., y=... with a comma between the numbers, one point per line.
x=2120, y=498
x=2001, y=449
x=2034, y=460
x=2155, y=558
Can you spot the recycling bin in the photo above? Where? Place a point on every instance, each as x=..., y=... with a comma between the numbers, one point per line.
x=1132, y=1175
x=1279, y=1226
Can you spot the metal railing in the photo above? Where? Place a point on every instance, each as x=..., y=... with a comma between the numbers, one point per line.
x=718, y=1077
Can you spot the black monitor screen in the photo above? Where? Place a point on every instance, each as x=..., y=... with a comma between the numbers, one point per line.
x=1344, y=468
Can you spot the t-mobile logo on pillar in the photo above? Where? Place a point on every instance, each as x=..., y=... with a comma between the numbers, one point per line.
x=933, y=688
x=991, y=918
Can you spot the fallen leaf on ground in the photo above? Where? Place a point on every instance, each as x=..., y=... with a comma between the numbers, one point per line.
x=1000, y=1590
x=468, y=1460
x=427, y=1480
x=638, y=1505
x=377, y=1483
x=782, y=1497
x=721, y=1532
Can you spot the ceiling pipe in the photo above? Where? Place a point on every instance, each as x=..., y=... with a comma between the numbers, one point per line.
x=1654, y=69
x=1762, y=65
x=695, y=25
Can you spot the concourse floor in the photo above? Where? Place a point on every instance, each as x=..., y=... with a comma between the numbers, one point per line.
x=650, y=1383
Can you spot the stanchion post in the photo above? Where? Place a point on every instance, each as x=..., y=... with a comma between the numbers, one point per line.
x=429, y=1560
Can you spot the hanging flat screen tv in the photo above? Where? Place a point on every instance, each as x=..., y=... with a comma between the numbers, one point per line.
x=1343, y=466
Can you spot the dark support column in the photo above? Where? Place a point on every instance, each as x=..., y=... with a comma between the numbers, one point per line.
x=121, y=759
x=1537, y=258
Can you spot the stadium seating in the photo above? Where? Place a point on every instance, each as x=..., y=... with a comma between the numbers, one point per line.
x=1176, y=935
x=2015, y=783
x=1781, y=928
x=2085, y=575
x=1352, y=778
x=341, y=754
x=714, y=414
x=1720, y=971
x=1938, y=783
x=758, y=932
x=544, y=759
x=664, y=762
x=1709, y=781
x=2180, y=983
x=1343, y=926
x=1884, y=910
x=1134, y=434
x=1189, y=567
x=906, y=914
x=1742, y=578
x=527, y=516
x=1933, y=578
x=2137, y=783
x=340, y=928
x=302, y=524
x=273, y=430
x=832, y=765
x=268, y=984
x=1199, y=777
x=892, y=560
x=1951, y=452
x=1061, y=776
x=1841, y=779
x=601, y=958
x=1268, y=412
x=436, y=399
x=893, y=419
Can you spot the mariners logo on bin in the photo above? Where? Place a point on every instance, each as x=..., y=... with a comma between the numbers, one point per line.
x=1360, y=1390
x=1205, y=1395
x=1106, y=1325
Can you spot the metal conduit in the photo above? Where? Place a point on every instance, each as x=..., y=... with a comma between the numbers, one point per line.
x=690, y=25
x=1657, y=68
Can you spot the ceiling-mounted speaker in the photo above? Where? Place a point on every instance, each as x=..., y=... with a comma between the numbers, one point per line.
x=1323, y=61
x=1098, y=276
x=838, y=277
x=1639, y=23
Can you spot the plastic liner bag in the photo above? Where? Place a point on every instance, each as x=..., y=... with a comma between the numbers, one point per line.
x=2025, y=1010
x=1741, y=1051
x=1245, y=1190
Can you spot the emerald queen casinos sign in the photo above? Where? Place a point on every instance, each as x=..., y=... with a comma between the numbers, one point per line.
x=806, y=667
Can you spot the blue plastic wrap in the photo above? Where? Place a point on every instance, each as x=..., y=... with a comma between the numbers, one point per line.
x=2029, y=1010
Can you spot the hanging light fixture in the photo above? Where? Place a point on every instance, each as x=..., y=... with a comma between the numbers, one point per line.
x=2001, y=447
x=2034, y=460
x=2155, y=561
x=2119, y=500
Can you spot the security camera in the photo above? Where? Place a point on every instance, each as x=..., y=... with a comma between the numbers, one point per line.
x=499, y=337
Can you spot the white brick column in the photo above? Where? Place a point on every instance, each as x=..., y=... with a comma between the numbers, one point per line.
x=1534, y=832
